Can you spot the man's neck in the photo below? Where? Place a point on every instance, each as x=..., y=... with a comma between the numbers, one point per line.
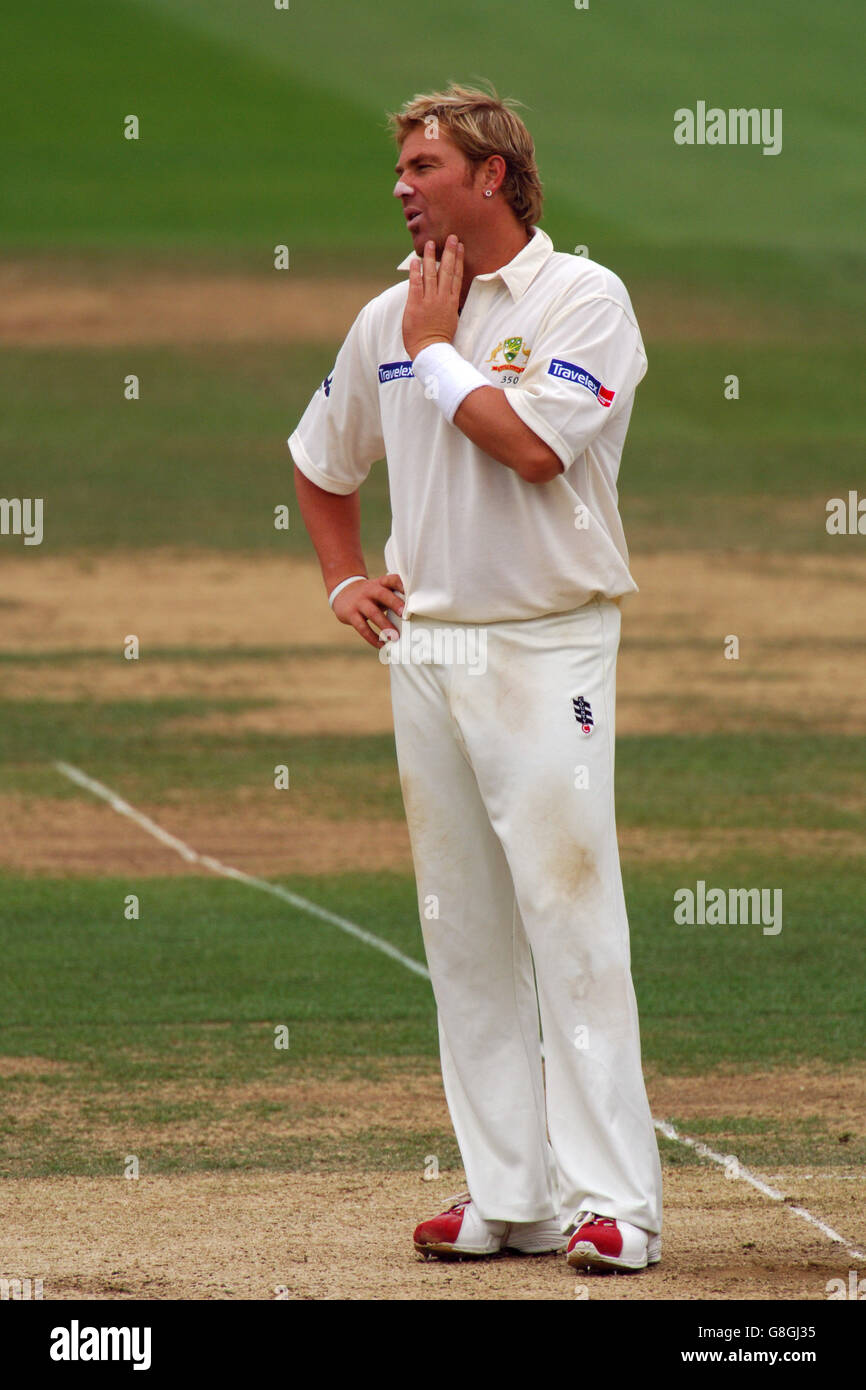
x=493, y=256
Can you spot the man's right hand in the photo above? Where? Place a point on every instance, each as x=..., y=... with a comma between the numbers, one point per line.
x=367, y=599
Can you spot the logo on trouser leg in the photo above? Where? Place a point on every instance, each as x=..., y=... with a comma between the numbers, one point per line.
x=583, y=714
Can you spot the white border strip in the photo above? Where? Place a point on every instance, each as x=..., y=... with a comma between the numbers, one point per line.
x=727, y=1161
x=226, y=871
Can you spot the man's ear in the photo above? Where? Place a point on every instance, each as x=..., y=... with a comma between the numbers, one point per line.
x=494, y=169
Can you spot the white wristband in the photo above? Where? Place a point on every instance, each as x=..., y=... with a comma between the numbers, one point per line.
x=441, y=367
x=341, y=586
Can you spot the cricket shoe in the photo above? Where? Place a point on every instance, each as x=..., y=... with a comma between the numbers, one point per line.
x=461, y=1232
x=599, y=1242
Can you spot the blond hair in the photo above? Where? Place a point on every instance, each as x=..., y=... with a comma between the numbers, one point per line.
x=481, y=124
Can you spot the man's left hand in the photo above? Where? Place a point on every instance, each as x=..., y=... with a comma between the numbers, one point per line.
x=430, y=315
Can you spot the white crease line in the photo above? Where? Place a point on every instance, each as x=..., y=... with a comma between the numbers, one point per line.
x=725, y=1160
x=226, y=871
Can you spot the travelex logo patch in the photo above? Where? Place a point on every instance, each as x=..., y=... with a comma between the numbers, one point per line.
x=326, y=384
x=393, y=371
x=568, y=371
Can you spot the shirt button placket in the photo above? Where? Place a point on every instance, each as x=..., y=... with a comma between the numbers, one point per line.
x=467, y=327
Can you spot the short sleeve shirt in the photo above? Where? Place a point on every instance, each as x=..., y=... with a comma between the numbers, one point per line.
x=471, y=539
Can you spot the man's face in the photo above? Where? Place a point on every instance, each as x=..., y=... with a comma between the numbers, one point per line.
x=441, y=201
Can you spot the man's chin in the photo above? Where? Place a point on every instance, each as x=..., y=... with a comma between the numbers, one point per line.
x=420, y=240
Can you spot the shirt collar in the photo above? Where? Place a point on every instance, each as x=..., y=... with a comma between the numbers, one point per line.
x=520, y=271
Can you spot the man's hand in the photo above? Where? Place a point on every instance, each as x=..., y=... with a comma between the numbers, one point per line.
x=430, y=315
x=368, y=599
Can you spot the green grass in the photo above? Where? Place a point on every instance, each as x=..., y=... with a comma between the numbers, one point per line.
x=203, y=952
x=700, y=471
x=206, y=952
x=189, y=995
x=663, y=781
x=711, y=995
x=772, y=1142
x=34, y=1152
x=201, y=460
x=134, y=749
x=761, y=781
x=277, y=131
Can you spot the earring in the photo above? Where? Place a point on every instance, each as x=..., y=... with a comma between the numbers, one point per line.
x=488, y=192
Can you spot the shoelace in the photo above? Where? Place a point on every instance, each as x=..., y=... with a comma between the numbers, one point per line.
x=591, y=1218
x=460, y=1200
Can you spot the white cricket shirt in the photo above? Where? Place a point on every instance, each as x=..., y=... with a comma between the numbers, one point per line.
x=472, y=541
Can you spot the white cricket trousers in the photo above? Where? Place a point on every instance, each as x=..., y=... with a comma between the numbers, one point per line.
x=510, y=808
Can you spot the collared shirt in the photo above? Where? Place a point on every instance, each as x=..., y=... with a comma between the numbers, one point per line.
x=471, y=539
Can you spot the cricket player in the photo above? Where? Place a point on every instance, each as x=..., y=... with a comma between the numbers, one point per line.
x=498, y=382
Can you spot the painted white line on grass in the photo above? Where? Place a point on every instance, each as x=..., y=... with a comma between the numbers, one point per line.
x=215, y=866
x=730, y=1160
x=192, y=856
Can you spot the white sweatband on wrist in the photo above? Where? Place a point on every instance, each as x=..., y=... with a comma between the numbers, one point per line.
x=342, y=585
x=450, y=376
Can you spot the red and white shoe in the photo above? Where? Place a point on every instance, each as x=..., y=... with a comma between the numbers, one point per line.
x=461, y=1232
x=599, y=1242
